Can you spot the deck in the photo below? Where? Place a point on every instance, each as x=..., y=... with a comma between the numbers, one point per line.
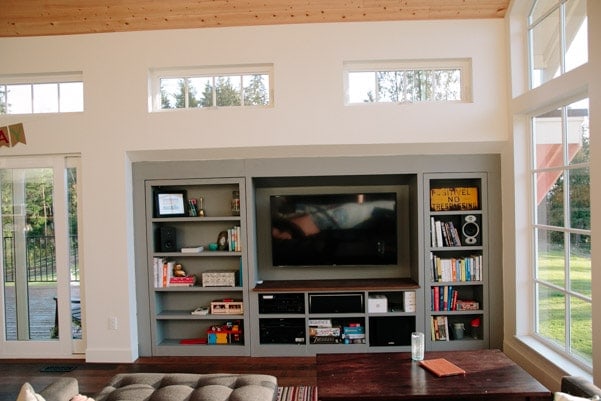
x=42, y=307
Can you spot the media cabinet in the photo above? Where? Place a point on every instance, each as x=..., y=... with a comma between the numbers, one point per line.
x=301, y=310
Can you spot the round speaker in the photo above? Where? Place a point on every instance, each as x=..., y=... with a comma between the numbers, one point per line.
x=470, y=230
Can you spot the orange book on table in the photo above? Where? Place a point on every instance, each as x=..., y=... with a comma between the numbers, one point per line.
x=442, y=367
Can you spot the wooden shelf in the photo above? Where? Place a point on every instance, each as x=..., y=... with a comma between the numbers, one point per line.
x=337, y=285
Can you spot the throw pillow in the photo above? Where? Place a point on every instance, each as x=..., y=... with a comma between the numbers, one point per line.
x=27, y=393
x=559, y=396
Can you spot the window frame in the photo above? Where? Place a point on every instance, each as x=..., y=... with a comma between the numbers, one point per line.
x=520, y=344
x=532, y=24
x=567, y=231
x=464, y=65
x=156, y=74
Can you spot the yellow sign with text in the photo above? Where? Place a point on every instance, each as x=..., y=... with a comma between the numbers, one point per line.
x=456, y=198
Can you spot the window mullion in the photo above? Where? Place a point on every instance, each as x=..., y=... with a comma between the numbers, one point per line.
x=214, y=91
x=32, y=92
x=58, y=97
x=242, y=90
x=4, y=100
x=186, y=92
x=566, y=208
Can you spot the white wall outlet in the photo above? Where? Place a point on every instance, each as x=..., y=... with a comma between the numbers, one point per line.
x=113, y=325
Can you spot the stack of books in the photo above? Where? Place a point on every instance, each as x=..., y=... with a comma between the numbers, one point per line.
x=186, y=281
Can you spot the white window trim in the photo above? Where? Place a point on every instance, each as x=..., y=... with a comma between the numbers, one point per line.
x=43, y=78
x=156, y=74
x=462, y=64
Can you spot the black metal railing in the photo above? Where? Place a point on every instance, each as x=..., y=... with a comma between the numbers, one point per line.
x=40, y=259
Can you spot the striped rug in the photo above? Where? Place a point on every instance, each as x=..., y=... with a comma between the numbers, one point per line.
x=297, y=393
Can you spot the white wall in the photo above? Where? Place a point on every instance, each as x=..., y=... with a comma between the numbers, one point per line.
x=309, y=118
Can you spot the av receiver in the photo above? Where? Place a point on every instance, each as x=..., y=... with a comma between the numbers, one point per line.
x=282, y=303
x=282, y=331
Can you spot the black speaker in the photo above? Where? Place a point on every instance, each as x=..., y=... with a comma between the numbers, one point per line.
x=470, y=230
x=167, y=240
x=391, y=331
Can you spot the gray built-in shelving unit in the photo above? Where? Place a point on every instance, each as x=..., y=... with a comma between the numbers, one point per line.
x=174, y=329
x=457, y=261
x=312, y=294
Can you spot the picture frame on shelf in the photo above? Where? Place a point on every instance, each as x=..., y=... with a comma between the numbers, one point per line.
x=170, y=203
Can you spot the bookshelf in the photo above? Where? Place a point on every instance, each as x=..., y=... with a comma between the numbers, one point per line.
x=166, y=326
x=456, y=262
x=189, y=239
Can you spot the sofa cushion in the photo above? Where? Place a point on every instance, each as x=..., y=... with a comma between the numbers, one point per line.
x=27, y=393
x=189, y=387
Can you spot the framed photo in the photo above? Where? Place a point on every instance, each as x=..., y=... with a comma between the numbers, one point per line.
x=170, y=203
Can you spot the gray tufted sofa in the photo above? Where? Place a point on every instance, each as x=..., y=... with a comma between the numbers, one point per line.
x=190, y=387
x=581, y=387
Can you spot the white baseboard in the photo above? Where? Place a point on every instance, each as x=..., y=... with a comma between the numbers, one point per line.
x=104, y=355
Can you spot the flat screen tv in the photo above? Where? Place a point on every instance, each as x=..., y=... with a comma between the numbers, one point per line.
x=350, y=229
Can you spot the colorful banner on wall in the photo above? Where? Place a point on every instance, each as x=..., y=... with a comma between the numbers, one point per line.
x=11, y=135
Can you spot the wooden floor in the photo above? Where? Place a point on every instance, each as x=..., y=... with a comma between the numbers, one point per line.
x=92, y=377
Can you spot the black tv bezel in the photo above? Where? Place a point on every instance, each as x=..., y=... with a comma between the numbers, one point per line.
x=339, y=196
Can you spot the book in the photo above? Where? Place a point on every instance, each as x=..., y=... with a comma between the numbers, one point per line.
x=157, y=265
x=439, y=327
x=443, y=328
x=439, y=240
x=192, y=249
x=442, y=367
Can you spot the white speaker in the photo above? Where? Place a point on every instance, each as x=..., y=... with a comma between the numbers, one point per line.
x=470, y=229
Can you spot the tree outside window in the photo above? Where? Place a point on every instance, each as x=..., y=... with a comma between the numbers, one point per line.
x=215, y=91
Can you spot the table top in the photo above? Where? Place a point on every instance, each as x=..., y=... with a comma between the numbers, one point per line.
x=394, y=376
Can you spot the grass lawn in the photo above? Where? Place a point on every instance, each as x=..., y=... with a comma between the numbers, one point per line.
x=552, y=303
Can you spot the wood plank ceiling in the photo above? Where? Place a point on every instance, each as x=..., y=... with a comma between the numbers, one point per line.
x=64, y=17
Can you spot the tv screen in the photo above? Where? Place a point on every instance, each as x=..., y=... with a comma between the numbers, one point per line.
x=351, y=229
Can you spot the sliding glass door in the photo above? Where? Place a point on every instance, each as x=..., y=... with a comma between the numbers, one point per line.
x=41, y=296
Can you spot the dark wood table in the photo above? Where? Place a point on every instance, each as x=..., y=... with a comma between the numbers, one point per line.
x=490, y=375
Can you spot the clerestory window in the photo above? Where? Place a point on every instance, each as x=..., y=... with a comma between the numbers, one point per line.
x=408, y=81
x=43, y=93
x=191, y=88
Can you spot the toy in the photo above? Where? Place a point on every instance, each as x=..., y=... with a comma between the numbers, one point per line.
x=178, y=270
